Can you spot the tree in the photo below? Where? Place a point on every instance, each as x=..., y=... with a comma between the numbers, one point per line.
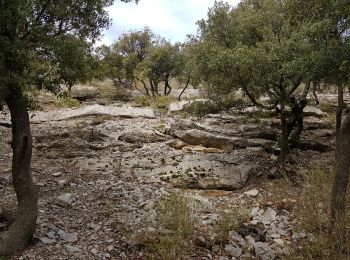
x=163, y=62
x=328, y=28
x=255, y=47
x=74, y=61
x=31, y=31
x=141, y=56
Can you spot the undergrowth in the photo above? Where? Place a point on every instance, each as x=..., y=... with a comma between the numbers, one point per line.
x=156, y=102
x=202, y=108
x=313, y=213
x=175, y=227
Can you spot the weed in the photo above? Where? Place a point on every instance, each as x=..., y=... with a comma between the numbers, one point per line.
x=175, y=220
x=229, y=220
x=68, y=102
x=314, y=216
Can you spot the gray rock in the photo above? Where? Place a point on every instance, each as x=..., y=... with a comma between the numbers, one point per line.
x=258, y=142
x=47, y=241
x=313, y=111
x=199, y=137
x=84, y=92
x=234, y=251
x=65, y=198
x=142, y=136
x=68, y=237
x=269, y=215
x=264, y=251
x=72, y=249
x=252, y=193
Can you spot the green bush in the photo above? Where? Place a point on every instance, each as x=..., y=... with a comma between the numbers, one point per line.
x=202, y=108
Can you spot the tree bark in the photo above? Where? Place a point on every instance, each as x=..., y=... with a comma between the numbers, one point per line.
x=340, y=109
x=184, y=89
x=168, y=88
x=145, y=87
x=314, y=92
x=342, y=174
x=21, y=231
x=283, y=140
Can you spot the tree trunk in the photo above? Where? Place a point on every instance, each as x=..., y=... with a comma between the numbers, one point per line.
x=145, y=87
x=21, y=231
x=70, y=90
x=342, y=174
x=153, y=91
x=283, y=140
x=184, y=89
x=167, y=93
x=339, y=109
x=314, y=92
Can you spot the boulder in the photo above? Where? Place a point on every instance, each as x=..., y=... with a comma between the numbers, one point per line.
x=178, y=106
x=234, y=251
x=142, y=136
x=176, y=144
x=308, y=144
x=217, y=171
x=263, y=251
x=199, y=137
x=313, y=111
x=83, y=92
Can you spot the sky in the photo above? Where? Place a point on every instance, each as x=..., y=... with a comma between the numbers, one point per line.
x=172, y=19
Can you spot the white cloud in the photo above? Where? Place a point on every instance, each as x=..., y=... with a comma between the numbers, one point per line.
x=172, y=19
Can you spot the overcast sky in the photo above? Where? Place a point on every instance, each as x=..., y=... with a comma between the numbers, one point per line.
x=172, y=19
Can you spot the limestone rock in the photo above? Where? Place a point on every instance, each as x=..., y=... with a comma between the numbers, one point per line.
x=177, y=144
x=252, y=193
x=65, y=198
x=234, y=251
x=264, y=251
x=313, y=111
x=199, y=137
x=83, y=92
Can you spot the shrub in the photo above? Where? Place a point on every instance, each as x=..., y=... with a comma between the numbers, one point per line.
x=202, y=108
x=68, y=102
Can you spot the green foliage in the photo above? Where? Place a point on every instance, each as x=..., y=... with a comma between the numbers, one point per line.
x=141, y=56
x=68, y=102
x=42, y=42
x=202, y=108
x=143, y=101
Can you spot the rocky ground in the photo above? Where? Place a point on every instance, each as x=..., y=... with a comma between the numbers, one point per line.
x=102, y=169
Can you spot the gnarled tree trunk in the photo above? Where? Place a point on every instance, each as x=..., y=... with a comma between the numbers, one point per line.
x=23, y=227
x=342, y=174
x=340, y=109
x=186, y=86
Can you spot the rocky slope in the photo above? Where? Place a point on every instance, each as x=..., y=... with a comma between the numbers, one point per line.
x=102, y=169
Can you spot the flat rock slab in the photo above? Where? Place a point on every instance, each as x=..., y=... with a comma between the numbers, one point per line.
x=206, y=171
x=199, y=137
x=117, y=111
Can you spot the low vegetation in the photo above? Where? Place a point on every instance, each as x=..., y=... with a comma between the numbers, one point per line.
x=175, y=227
x=313, y=214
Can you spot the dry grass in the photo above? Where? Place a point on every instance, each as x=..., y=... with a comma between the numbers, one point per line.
x=174, y=228
x=229, y=220
x=313, y=213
